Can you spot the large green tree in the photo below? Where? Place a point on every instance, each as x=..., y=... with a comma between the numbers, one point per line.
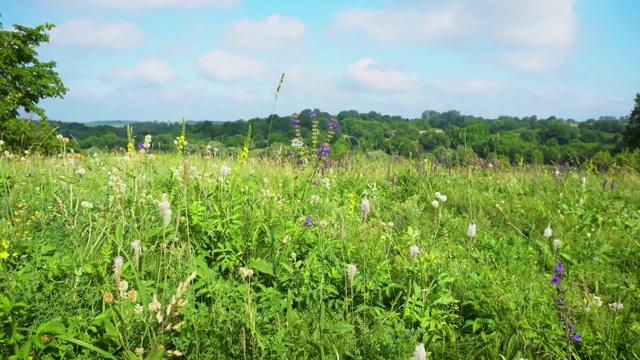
x=25, y=80
x=632, y=134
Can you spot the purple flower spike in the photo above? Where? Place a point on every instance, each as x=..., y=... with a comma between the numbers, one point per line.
x=577, y=337
x=554, y=280
x=141, y=146
x=559, y=268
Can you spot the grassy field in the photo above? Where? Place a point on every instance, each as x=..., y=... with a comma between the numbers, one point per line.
x=159, y=256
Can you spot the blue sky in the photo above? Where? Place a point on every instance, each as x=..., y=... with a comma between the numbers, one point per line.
x=222, y=59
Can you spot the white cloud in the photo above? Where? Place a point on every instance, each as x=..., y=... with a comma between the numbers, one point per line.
x=525, y=26
x=225, y=66
x=533, y=60
x=367, y=74
x=95, y=33
x=153, y=71
x=129, y=5
x=270, y=35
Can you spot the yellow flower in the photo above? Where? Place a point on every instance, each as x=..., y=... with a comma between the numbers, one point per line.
x=4, y=255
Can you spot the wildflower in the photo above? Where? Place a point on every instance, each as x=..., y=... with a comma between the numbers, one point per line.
x=555, y=280
x=471, y=232
x=435, y=204
x=366, y=208
x=165, y=210
x=138, y=309
x=117, y=268
x=581, y=203
x=308, y=221
x=225, y=170
x=414, y=251
x=351, y=272
x=108, y=298
x=597, y=301
x=132, y=295
x=556, y=242
x=315, y=198
x=323, y=224
x=86, y=205
x=139, y=351
x=420, y=353
x=81, y=171
x=547, y=231
x=442, y=198
x=137, y=249
x=294, y=122
x=559, y=269
x=577, y=337
x=155, y=305
x=615, y=306
x=323, y=150
x=122, y=287
x=244, y=272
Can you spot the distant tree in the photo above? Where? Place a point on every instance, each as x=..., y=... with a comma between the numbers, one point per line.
x=632, y=134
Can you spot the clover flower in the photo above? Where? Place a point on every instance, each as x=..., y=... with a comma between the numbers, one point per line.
x=414, y=251
x=548, y=232
x=435, y=204
x=597, y=301
x=138, y=309
x=556, y=242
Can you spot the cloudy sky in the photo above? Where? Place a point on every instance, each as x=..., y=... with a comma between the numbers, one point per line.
x=222, y=59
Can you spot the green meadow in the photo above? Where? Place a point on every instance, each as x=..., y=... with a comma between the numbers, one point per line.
x=149, y=256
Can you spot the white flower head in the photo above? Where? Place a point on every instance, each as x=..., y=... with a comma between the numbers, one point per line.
x=365, y=207
x=420, y=353
x=548, y=232
x=616, y=306
x=414, y=251
x=597, y=301
x=471, y=231
x=351, y=272
x=138, y=309
x=435, y=204
x=556, y=242
x=225, y=170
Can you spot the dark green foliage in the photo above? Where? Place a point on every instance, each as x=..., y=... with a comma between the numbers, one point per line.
x=24, y=81
x=632, y=133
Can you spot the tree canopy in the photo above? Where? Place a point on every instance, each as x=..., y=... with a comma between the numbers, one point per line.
x=632, y=133
x=24, y=79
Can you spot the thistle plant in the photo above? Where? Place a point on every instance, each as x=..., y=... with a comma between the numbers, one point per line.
x=564, y=312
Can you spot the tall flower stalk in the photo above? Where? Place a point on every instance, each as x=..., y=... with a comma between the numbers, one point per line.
x=564, y=312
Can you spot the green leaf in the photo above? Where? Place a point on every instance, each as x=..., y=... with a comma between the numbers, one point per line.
x=86, y=345
x=340, y=328
x=262, y=266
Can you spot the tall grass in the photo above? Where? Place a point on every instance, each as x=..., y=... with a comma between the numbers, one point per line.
x=486, y=296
